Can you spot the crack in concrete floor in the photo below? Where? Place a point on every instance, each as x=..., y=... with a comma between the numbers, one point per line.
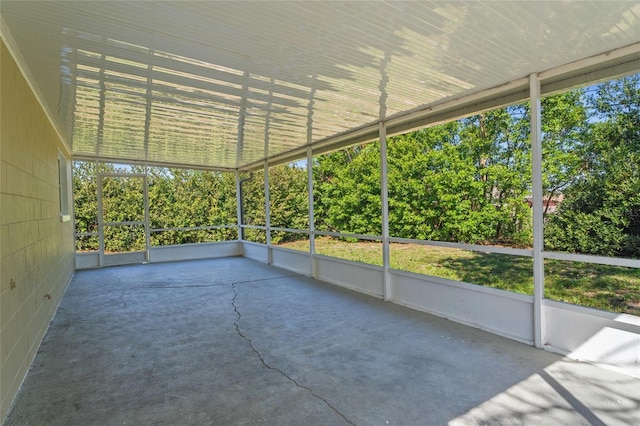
x=236, y=323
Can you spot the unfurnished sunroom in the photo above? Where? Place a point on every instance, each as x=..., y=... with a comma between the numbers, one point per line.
x=476, y=161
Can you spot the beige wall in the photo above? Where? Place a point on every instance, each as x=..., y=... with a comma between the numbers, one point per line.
x=36, y=249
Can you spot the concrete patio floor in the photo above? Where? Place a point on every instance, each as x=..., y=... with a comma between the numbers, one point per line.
x=236, y=342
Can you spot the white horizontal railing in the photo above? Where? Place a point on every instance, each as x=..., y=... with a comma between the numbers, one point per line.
x=573, y=257
x=263, y=227
x=194, y=228
x=293, y=231
x=122, y=175
x=125, y=223
x=86, y=234
x=345, y=235
x=588, y=258
x=155, y=230
x=464, y=246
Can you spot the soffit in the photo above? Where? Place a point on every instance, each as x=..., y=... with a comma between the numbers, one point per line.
x=227, y=84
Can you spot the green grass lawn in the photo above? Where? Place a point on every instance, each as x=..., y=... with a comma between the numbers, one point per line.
x=611, y=288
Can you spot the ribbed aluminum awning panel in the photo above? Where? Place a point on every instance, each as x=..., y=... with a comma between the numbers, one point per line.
x=226, y=84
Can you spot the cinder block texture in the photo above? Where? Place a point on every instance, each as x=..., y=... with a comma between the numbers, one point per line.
x=36, y=247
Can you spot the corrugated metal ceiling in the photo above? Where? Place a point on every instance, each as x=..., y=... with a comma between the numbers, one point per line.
x=226, y=84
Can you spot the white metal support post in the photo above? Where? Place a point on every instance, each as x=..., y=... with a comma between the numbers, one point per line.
x=312, y=228
x=239, y=207
x=384, y=193
x=267, y=213
x=100, y=220
x=536, y=189
x=147, y=215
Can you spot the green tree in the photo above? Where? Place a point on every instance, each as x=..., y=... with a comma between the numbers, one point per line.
x=289, y=202
x=182, y=198
x=85, y=200
x=601, y=210
x=347, y=190
x=178, y=198
x=463, y=181
x=564, y=126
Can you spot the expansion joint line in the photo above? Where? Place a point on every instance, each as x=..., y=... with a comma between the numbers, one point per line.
x=236, y=323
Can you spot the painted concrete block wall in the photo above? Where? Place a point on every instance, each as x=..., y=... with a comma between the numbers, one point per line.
x=37, y=248
x=255, y=251
x=296, y=261
x=500, y=312
x=605, y=338
x=195, y=251
x=352, y=275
